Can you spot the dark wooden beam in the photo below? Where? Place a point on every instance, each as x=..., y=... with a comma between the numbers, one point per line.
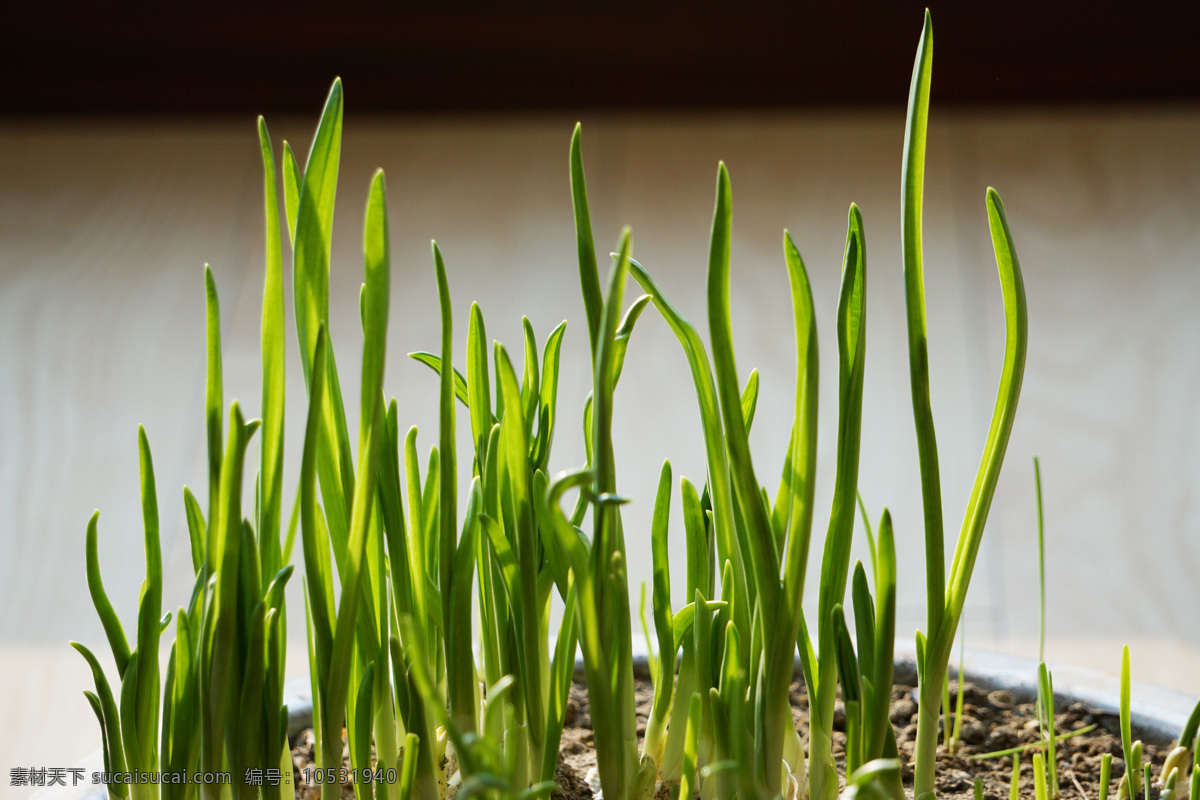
x=223, y=57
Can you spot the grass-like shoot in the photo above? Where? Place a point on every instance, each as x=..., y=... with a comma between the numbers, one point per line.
x=946, y=598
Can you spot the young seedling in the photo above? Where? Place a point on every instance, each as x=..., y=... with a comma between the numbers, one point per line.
x=1045, y=690
x=1045, y=711
x=956, y=736
x=946, y=598
x=1168, y=787
x=1132, y=750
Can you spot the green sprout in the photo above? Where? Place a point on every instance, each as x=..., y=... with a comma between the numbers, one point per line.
x=956, y=736
x=946, y=598
x=1045, y=682
x=1132, y=750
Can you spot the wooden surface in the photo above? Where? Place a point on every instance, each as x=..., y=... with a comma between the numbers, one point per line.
x=104, y=230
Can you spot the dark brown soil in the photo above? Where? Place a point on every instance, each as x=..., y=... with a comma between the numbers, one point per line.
x=991, y=721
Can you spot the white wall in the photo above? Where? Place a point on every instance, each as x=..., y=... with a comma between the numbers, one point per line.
x=104, y=231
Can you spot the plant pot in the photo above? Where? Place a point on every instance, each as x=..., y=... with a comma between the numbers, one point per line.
x=1157, y=713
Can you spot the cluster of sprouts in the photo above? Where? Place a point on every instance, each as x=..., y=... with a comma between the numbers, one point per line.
x=397, y=578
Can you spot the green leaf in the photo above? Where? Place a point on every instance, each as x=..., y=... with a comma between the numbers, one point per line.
x=213, y=404
x=1016, y=342
x=763, y=558
x=112, y=719
x=375, y=319
x=183, y=724
x=866, y=521
x=750, y=399
x=94, y=702
x=435, y=364
x=1126, y=728
x=149, y=607
x=292, y=180
x=624, y=331
x=659, y=526
x=530, y=393
x=665, y=681
x=562, y=669
x=879, y=726
x=460, y=663
x=911, y=209
x=864, y=620
x=589, y=275
x=835, y=561
x=478, y=391
x=221, y=626
x=683, y=620
x=318, y=571
x=314, y=229
x=447, y=479
x=108, y=617
x=690, y=748
x=794, y=500
x=392, y=510
x=135, y=756
x=250, y=730
x=196, y=529
x=698, y=545
x=270, y=502
x=360, y=734
x=852, y=692
x=549, y=399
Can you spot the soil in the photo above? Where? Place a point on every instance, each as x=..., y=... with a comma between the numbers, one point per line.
x=991, y=721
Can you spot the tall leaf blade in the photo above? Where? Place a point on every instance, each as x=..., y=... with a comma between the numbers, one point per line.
x=911, y=208
x=270, y=502
x=479, y=391
x=589, y=274
x=1016, y=343
x=149, y=609
x=108, y=617
x=763, y=558
x=213, y=403
x=314, y=229
x=447, y=508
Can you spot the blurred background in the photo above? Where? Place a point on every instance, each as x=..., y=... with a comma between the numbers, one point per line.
x=129, y=159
